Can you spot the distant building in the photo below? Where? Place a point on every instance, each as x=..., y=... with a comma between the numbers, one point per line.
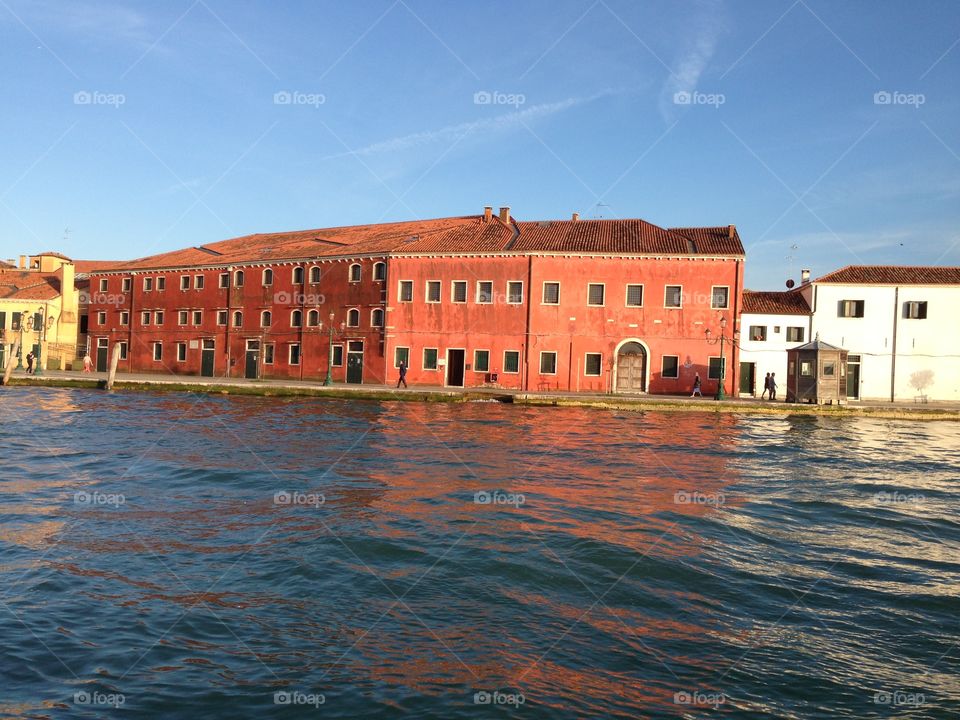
x=898, y=324
x=483, y=300
x=771, y=324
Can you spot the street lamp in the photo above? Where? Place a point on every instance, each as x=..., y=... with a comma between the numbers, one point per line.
x=723, y=367
x=41, y=333
x=331, y=331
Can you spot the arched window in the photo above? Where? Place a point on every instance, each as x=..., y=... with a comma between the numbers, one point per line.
x=313, y=318
x=266, y=318
x=238, y=278
x=353, y=318
x=380, y=271
x=315, y=274
x=296, y=318
x=238, y=319
x=268, y=277
x=355, y=272
x=376, y=318
x=297, y=275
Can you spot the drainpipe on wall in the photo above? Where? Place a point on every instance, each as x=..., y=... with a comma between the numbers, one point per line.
x=893, y=356
x=133, y=291
x=226, y=332
x=735, y=344
x=526, y=350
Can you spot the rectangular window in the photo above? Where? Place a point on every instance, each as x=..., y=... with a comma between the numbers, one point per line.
x=514, y=292
x=16, y=320
x=338, y=355
x=511, y=361
x=673, y=296
x=182, y=317
x=181, y=352
x=269, y=353
x=126, y=284
x=758, y=333
x=123, y=350
x=198, y=282
x=185, y=282
x=103, y=284
x=720, y=297
x=198, y=317
x=850, y=308
x=595, y=292
x=401, y=354
x=433, y=291
x=915, y=310
x=157, y=352
x=101, y=319
x=806, y=368
x=224, y=280
x=670, y=367
x=406, y=291
x=795, y=334
x=294, y=353
x=485, y=292
x=124, y=317
x=221, y=317
x=551, y=293
x=161, y=283
x=458, y=291
x=634, y=295
x=481, y=360
x=147, y=284
x=592, y=363
x=430, y=358
x=145, y=317
x=716, y=368
x=548, y=363
x=829, y=368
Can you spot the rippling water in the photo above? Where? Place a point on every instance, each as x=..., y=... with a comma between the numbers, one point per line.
x=186, y=556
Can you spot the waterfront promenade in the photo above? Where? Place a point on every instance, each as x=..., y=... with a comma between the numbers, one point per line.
x=932, y=410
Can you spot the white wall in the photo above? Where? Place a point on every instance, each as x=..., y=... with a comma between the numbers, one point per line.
x=770, y=355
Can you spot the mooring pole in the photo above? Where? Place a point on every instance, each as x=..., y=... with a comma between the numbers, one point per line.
x=13, y=356
x=114, y=361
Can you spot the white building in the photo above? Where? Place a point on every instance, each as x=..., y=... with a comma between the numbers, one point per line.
x=899, y=325
x=770, y=324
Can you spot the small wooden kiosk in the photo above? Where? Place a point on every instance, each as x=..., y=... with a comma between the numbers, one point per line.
x=817, y=373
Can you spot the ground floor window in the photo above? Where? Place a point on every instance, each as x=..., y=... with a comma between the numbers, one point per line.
x=158, y=351
x=181, y=352
x=716, y=368
x=511, y=361
x=401, y=354
x=548, y=363
x=269, y=351
x=481, y=360
x=294, y=353
x=671, y=366
x=338, y=355
x=430, y=358
x=592, y=364
x=123, y=351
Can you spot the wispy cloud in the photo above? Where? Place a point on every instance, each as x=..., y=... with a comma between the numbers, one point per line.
x=485, y=126
x=697, y=51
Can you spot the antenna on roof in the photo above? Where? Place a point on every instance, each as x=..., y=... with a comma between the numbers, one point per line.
x=789, y=259
x=598, y=213
x=66, y=235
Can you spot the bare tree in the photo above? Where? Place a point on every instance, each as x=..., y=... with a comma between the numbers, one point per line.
x=921, y=380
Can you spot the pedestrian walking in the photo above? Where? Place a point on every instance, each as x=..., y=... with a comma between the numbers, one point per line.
x=773, y=386
x=30, y=363
x=87, y=363
x=766, y=386
x=696, y=387
x=403, y=374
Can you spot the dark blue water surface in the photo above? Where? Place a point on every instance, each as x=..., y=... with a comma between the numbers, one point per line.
x=224, y=557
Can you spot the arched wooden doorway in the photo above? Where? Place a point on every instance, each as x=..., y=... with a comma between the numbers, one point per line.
x=631, y=368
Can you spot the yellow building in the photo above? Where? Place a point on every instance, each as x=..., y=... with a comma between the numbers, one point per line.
x=39, y=305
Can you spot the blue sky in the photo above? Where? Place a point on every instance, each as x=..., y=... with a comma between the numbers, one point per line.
x=144, y=127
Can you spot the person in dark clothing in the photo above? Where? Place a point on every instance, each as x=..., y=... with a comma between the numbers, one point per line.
x=696, y=387
x=403, y=374
x=766, y=386
x=773, y=386
x=30, y=363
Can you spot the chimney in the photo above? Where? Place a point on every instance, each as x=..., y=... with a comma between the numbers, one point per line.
x=731, y=231
x=576, y=216
x=804, y=276
x=505, y=215
x=487, y=214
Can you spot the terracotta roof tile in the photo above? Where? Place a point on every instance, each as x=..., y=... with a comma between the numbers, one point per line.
x=893, y=275
x=26, y=285
x=789, y=302
x=82, y=267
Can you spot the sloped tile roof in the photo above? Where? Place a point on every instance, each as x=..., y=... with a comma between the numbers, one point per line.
x=82, y=267
x=893, y=275
x=26, y=285
x=789, y=302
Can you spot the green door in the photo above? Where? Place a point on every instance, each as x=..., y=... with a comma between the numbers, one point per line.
x=747, y=374
x=102, y=354
x=355, y=362
x=253, y=360
x=206, y=359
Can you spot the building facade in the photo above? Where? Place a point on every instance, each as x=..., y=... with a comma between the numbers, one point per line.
x=487, y=300
x=771, y=324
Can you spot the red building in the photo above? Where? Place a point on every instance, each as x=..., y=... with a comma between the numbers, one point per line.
x=581, y=305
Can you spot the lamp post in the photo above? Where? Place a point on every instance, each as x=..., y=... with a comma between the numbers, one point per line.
x=723, y=366
x=331, y=331
x=41, y=333
x=20, y=346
